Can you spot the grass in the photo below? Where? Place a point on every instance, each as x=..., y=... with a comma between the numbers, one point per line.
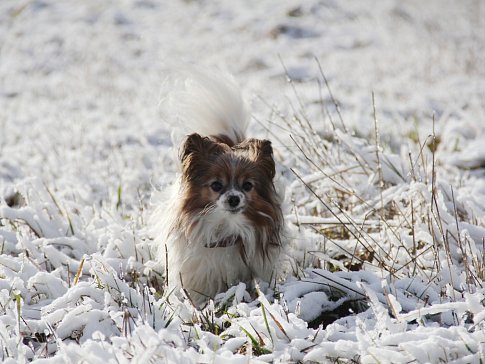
x=380, y=227
x=374, y=214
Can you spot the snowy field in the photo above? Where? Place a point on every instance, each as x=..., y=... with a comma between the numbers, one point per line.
x=376, y=110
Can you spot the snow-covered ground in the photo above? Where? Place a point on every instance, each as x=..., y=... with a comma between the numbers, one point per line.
x=388, y=233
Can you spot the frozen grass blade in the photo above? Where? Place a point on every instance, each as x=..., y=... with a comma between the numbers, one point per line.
x=267, y=324
x=378, y=159
x=119, y=201
x=62, y=212
x=335, y=103
x=79, y=271
x=279, y=326
x=18, y=306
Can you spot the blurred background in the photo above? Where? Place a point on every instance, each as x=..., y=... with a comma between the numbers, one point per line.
x=87, y=75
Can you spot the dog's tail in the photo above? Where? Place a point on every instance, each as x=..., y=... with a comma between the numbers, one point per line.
x=207, y=102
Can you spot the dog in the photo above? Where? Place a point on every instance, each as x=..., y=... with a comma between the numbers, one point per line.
x=221, y=222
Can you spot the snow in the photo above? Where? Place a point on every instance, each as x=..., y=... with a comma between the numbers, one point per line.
x=386, y=262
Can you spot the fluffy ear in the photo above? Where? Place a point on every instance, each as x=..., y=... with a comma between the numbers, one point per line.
x=196, y=145
x=196, y=155
x=193, y=144
x=260, y=152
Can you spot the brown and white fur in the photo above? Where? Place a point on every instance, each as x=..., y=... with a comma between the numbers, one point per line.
x=221, y=223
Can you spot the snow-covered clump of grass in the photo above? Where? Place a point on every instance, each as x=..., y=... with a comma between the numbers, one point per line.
x=384, y=194
x=386, y=260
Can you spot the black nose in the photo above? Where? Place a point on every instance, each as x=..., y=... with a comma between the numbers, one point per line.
x=233, y=200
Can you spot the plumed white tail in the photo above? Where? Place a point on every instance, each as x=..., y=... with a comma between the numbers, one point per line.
x=200, y=101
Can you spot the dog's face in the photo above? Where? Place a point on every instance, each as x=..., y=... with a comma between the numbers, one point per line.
x=229, y=189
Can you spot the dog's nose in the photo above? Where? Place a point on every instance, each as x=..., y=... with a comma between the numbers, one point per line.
x=233, y=200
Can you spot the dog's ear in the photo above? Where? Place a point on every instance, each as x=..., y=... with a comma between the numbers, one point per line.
x=260, y=152
x=196, y=155
x=196, y=145
x=193, y=144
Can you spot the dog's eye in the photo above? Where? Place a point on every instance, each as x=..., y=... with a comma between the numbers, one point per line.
x=247, y=186
x=216, y=186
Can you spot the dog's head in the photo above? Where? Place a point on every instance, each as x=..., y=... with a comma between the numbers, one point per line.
x=229, y=189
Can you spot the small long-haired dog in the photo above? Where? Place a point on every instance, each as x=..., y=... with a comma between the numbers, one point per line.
x=221, y=223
